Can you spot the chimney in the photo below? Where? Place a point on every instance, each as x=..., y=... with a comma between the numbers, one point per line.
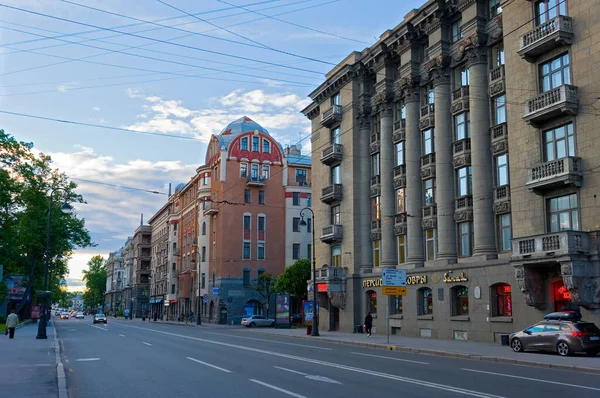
x=142, y=219
x=169, y=190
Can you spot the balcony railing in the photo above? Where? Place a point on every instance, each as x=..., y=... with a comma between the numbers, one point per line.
x=375, y=145
x=499, y=136
x=176, y=252
x=502, y=199
x=460, y=100
x=257, y=181
x=330, y=273
x=462, y=153
x=400, y=176
x=332, y=115
x=552, y=103
x=556, y=173
x=375, y=180
x=429, y=217
x=555, y=244
x=544, y=37
x=428, y=166
x=332, y=153
x=210, y=208
x=376, y=225
x=427, y=116
x=331, y=193
x=399, y=131
x=400, y=224
x=497, y=81
x=332, y=233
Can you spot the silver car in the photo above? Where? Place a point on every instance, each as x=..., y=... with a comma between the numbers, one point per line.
x=257, y=320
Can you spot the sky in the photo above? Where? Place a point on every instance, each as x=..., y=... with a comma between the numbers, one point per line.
x=131, y=71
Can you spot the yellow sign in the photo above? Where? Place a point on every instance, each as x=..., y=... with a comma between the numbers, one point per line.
x=393, y=290
x=410, y=280
x=461, y=278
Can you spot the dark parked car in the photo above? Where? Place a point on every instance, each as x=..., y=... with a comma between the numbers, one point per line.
x=100, y=318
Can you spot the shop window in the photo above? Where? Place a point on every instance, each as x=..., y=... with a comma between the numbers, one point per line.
x=425, y=301
x=562, y=297
x=395, y=305
x=372, y=302
x=460, y=300
x=501, y=299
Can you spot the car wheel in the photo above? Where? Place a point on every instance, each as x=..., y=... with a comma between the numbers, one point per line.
x=563, y=349
x=252, y=324
x=273, y=324
x=516, y=345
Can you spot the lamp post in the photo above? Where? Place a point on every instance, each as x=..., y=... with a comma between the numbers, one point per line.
x=302, y=223
x=198, y=304
x=65, y=208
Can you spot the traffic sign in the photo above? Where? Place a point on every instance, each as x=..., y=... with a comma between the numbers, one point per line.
x=215, y=291
x=393, y=277
x=393, y=290
x=205, y=298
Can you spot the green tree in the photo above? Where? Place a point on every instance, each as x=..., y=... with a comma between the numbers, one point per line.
x=293, y=280
x=264, y=286
x=95, y=282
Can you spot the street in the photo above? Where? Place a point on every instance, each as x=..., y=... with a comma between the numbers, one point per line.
x=141, y=359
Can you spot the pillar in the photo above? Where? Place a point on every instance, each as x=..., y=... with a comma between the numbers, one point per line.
x=388, y=201
x=363, y=192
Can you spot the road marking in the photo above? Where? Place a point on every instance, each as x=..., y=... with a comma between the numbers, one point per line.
x=87, y=359
x=393, y=359
x=291, y=371
x=208, y=364
x=72, y=330
x=310, y=377
x=421, y=383
x=98, y=327
x=532, y=379
x=143, y=342
x=293, y=394
x=270, y=341
x=122, y=335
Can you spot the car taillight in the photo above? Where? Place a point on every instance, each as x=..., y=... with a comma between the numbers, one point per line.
x=580, y=334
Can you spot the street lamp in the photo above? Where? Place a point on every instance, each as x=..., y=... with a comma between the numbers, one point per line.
x=302, y=223
x=198, y=319
x=65, y=208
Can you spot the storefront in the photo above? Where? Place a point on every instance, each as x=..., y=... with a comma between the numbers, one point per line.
x=156, y=306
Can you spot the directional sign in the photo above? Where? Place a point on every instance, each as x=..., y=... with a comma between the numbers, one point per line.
x=393, y=277
x=393, y=290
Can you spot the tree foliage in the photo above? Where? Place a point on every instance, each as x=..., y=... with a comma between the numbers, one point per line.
x=95, y=282
x=264, y=286
x=293, y=280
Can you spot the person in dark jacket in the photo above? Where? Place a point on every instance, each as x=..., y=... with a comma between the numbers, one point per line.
x=369, y=323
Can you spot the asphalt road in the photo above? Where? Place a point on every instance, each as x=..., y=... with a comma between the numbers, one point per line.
x=141, y=359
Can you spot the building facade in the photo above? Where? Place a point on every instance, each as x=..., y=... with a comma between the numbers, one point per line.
x=142, y=253
x=159, y=225
x=113, y=298
x=128, y=274
x=424, y=159
x=205, y=209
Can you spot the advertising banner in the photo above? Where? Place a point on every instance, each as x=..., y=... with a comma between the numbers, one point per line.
x=308, y=311
x=282, y=310
x=16, y=287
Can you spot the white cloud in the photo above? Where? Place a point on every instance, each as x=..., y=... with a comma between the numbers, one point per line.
x=63, y=88
x=96, y=108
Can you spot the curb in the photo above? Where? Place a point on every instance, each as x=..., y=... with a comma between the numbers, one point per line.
x=448, y=354
x=60, y=369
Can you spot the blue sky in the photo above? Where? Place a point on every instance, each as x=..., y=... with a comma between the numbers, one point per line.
x=167, y=88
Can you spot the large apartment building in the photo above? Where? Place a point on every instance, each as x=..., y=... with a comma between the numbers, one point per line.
x=115, y=269
x=461, y=147
x=159, y=224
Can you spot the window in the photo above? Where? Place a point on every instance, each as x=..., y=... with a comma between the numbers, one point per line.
x=399, y=111
x=460, y=300
x=428, y=142
x=266, y=172
x=255, y=144
x=174, y=267
x=429, y=96
x=336, y=175
x=501, y=299
x=261, y=251
x=308, y=251
x=336, y=136
x=244, y=144
x=266, y=146
x=546, y=10
x=247, y=196
x=246, y=223
x=336, y=256
x=246, y=251
x=204, y=228
x=559, y=142
x=371, y=302
x=429, y=191
x=375, y=165
x=214, y=278
x=336, y=215
x=464, y=178
x=401, y=249
x=301, y=176
x=431, y=244
x=308, y=199
x=296, y=198
x=502, y=170
x=497, y=55
x=555, y=73
x=465, y=230
x=296, y=224
x=206, y=179
x=336, y=100
x=425, y=301
x=400, y=153
x=172, y=289
x=216, y=173
x=505, y=235
x=203, y=281
x=375, y=128
x=261, y=223
x=376, y=208
x=203, y=256
x=395, y=305
x=246, y=277
x=462, y=126
x=563, y=213
x=308, y=225
x=456, y=31
x=296, y=251
x=400, y=201
x=243, y=170
x=376, y=253
x=494, y=8
x=261, y=197
x=500, y=109
x=254, y=172
x=461, y=76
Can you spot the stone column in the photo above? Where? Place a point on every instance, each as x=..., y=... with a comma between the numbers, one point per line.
x=388, y=205
x=444, y=169
x=481, y=156
x=414, y=186
x=362, y=229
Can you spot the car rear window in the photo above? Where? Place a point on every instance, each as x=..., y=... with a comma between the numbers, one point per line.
x=587, y=327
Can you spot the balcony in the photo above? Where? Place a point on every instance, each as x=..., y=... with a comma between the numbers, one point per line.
x=550, y=104
x=497, y=83
x=375, y=185
x=176, y=252
x=543, y=38
x=210, y=208
x=460, y=100
x=400, y=224
x=463, y=208
x=554, y=174
x=332, y=233
x=556, y=244
x=427, y=117
x=399, y=131
x=332, y=115
x=332, y=154
x=256, y=181
x=461, y=153
x=375, y=145
x=428, y=166
x=330, y=273
x=376, y=230
x=502, y=199
x=499, y=137
x=331, y=193
x=400, y=176
x=429, y=217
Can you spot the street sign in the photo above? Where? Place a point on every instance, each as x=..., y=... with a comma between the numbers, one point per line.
x=215, y=291
x=393, y=290
x=393, y=277
x=205, y=298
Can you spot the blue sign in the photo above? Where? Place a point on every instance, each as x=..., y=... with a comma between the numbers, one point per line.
x=205, y=298
x=215, y=291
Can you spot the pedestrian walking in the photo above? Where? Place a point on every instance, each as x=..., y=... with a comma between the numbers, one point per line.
x=11, y=324
x=368, y=323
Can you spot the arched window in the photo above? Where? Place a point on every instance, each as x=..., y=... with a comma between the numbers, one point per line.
x=425, y=301
x=460, y=300
x=371, y=297
x=501, y=299
x=204, y=228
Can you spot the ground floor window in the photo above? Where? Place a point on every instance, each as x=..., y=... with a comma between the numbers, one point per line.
x=372, y=302
x=425, y=301
x=562, y=297
x=460, y=300
x=395, y=305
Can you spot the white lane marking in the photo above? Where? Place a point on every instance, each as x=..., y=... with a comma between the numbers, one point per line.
x=392, y=358
x=209, y=365
x=122, y=335
x=98, y=327
x=407, y=380
x=270, y=341
x=72, y=330
x=87, y=359
x=143, y=342
x=291, y=371
x=292, y=394
x=532, y=379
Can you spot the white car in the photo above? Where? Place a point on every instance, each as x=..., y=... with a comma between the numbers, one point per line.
x=79, y=315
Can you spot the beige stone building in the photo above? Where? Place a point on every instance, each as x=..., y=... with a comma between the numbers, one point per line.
x=461, y=147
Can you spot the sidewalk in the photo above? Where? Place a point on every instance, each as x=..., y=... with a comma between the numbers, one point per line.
x=28, y=366
x=447, y=348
